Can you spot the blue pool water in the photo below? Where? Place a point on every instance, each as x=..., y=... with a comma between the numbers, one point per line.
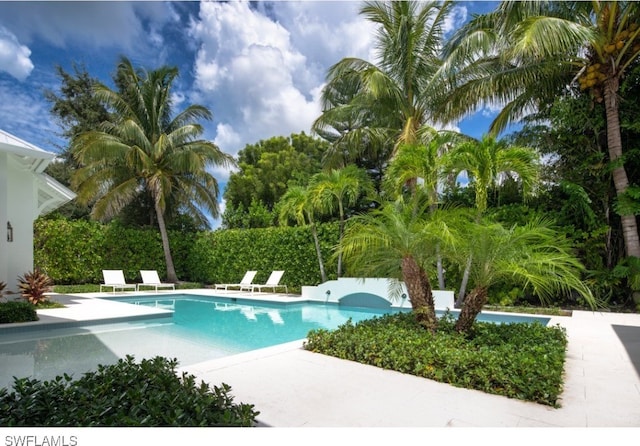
x=200, y=329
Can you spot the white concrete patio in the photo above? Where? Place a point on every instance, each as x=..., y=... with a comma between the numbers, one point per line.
x=292, y=387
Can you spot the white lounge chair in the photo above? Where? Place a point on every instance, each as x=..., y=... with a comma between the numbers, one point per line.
x=272, y=282
x=114, y=278
x=150, y=278
x=246, y=280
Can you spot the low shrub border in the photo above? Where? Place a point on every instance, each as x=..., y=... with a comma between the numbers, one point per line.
x=17, y=311
x=523, y=361
x=149, y=393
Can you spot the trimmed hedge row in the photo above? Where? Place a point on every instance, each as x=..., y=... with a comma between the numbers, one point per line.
x=76, y=252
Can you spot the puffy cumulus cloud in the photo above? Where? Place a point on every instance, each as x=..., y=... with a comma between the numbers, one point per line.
x=14, y=57
x=124, y=25
x=327, y=31
x=253, y=73
x=226, y=136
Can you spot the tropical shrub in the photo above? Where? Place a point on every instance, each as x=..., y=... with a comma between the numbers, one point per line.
x=34, y=285
x=148, y=393
x=17, y=311
x=523, y=361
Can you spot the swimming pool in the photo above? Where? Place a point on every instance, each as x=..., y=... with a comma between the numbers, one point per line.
x=200, y=329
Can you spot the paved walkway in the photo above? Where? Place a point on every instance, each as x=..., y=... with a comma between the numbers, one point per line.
x=292, y=387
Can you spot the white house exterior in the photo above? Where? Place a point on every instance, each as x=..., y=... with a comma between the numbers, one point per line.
x=25, y=193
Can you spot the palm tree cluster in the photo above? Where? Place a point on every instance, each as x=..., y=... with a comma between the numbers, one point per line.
x=520, y=56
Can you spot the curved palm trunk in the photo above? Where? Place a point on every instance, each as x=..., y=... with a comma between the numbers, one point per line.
x=467, y=269
x=341, y=232
x=314, y=231
x=473, y=304
x=620, y=179
x=171, y=271
x=419, y=289
x=463, y=284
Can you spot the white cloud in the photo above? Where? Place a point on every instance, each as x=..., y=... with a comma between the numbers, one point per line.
x=491, y=110
x=328, y=31
x=456, y=19
x=14, y=57
x=226, y=136
x=22, y=113
x=101, y=24
x=250, y=69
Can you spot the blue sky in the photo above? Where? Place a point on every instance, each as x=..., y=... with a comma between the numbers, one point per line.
x=258, y=66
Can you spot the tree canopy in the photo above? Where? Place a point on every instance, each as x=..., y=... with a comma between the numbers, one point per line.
x=266, y=170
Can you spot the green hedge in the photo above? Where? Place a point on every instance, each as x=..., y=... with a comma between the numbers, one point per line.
x=224, y=256
x=149, y=393
x=76, y=252
x=17, y=311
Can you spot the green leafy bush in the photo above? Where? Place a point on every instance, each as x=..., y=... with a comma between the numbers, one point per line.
x=16, y=311
x=76, y=252
x=149, y=393
x=523, y=361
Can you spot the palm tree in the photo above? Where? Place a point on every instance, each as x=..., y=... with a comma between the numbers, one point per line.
x=426, y=160
x=298, y=204
x=339, y=188
x=144, y=148
x=525, y=54
x=488, y=161
x=397, y=242
x=534, y=255
x=351, y=123
x=384, y=105
x=485, y=162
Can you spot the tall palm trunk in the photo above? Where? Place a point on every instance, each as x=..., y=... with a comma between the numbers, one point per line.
x=419, y=289
x=341, y=233
x=171, y=271
x=316, y=241
x=473, y=304
x=620, y=179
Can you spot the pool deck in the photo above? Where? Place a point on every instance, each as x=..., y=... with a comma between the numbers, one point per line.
x=292, y=387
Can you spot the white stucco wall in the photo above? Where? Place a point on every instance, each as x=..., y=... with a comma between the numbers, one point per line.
x=21, y=211
x=4, y=246
x=346, y=286
x=25, y=193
